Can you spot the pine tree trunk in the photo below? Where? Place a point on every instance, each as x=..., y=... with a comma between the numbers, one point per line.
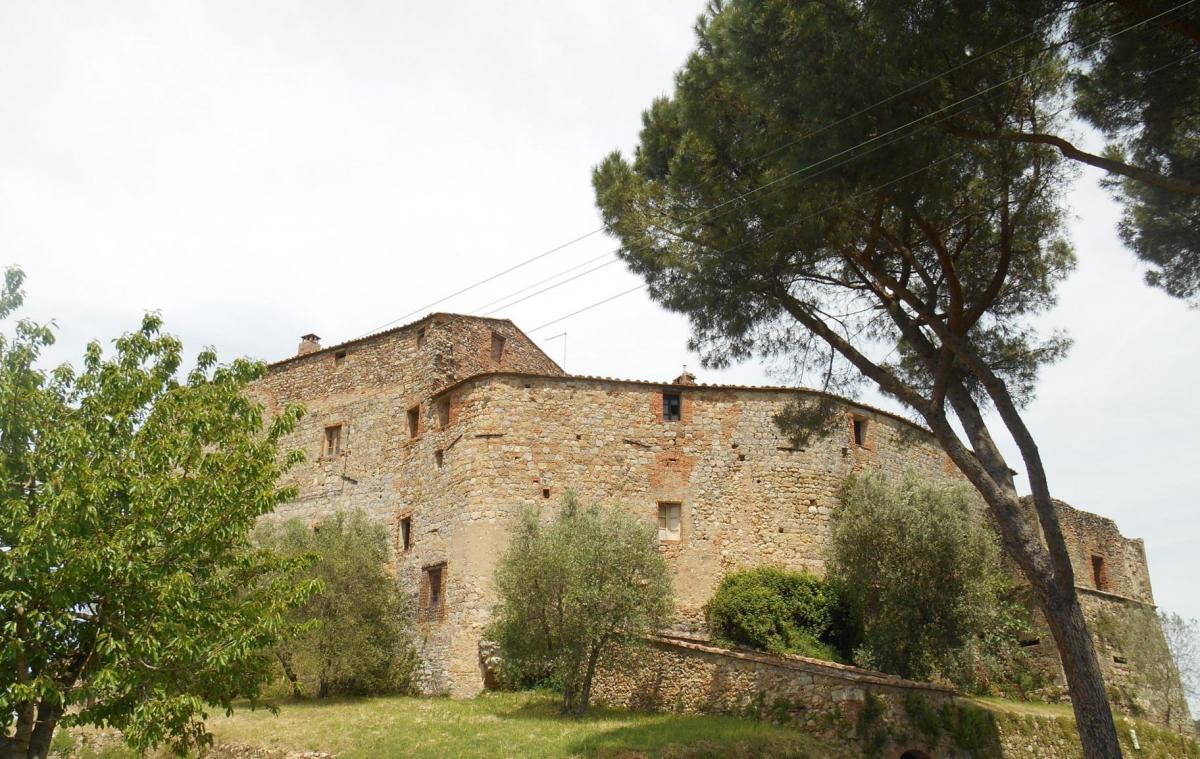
x=1085, y=681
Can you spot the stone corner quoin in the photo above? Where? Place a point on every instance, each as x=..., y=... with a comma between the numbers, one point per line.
x=445, y=428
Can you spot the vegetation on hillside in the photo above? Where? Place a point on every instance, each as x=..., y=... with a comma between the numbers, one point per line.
x=353, y=637
x=130, y=594
x=570, y=589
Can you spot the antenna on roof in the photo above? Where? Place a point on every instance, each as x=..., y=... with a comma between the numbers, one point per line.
x=563, y=335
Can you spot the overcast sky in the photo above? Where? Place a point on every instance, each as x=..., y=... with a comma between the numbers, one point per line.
x=257, y=171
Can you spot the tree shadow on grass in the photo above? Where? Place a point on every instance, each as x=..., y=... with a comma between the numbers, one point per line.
x=638, y=735
x=701, y=737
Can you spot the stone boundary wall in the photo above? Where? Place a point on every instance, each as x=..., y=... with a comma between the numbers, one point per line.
x=688, y=675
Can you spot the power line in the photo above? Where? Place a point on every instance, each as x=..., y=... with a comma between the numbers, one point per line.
x=551, y=287
x=740, y=245
x=824, y=160
x=605, y=254
x=597, y=230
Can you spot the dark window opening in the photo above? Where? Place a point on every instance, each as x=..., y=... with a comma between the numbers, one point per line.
x=545, y=492
x=1030, y=642
x=414, y=421
x=1120, y=660
x=435, y=577
x=420, y=336
x=443, y=412
x=860, y=432
x=333, y=441
x=1099, y=573
x=339, y=358
x=405, y=533
x=439, y=458
x=497, y=347
x=672, y=407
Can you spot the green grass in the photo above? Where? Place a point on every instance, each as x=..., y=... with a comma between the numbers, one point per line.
x=506, y=724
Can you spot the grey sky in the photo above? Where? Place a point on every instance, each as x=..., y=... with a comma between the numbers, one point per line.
x=261, y=170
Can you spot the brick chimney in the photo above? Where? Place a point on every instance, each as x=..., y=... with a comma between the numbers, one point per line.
x=687, y=378
x=310, y=343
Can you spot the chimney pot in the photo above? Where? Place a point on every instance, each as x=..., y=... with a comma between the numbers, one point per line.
x=309, y=343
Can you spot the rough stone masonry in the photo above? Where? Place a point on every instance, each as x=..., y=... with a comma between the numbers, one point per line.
x=446, y=428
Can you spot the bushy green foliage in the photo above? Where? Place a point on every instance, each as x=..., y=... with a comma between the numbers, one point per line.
x=920, y=569
x=776, y=610
x=129, y=593
x=570, y=589
x=353, y=636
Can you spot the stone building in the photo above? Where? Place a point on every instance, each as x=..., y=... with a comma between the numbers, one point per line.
x=445, y=428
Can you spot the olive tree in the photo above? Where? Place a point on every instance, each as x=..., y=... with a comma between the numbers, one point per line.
x=794, y=208
x=572, y=589
x=130, y=595
x=354, y=635
x=920, y=569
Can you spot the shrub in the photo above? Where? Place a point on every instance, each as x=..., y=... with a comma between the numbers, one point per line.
x=776, y=610
x=571, y=589
x=353, y=637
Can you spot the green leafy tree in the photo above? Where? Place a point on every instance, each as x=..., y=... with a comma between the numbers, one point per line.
x=776, y=610
x=921, y=572
x=571, y=590
x=355, y=633
x=130, y=595
x=794, y=207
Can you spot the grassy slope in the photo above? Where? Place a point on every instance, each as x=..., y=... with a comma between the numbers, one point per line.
x=506, y=724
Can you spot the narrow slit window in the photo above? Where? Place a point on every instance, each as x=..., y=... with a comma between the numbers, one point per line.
x=1099, y=573
x=443, y=412
x=339, y=358
x=672, y=407
x=668, y=521
x=414, y=421
x=860, y=431
x=497, y=347
x=439, y=458
x=420, y=336
x=405, y=533
x=333, y=441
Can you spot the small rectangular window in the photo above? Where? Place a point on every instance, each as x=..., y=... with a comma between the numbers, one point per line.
x=405, y=533
x=443, y=412
x=497, y=347
x=672, y=407
x=860, y=431
x=333, y=441
x=668, y=521
x=1099, y=573
x=433, y=595
x=420, y=336
x=339, y=358
x=439, y=459
x=414, y=421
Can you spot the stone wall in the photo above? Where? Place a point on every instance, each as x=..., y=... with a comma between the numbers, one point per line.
x=368, y=387
x=452, y=425
x=747, y=497
x=676, y=674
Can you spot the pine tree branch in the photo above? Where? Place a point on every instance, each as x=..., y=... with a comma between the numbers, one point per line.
x=1111, y=165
